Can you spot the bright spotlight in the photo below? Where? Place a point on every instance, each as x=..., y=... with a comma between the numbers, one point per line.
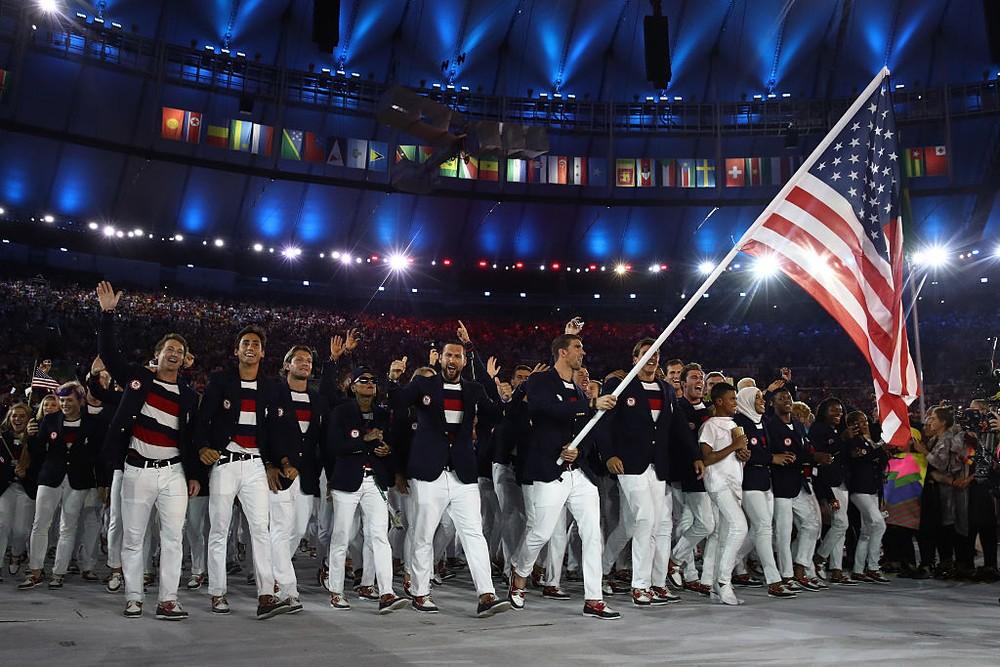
x=398, y=262
x=109, y=230
x=621, y=269
x=137, y=231
x=766, y=266
x=48, y=6
x=92, y=225
x=219, y=243
x=178, y=237
x=291, y=252
x=345, y=258
x=931, y=257
x=706, y=267
x=258, y=247
x=2, y=211
x=49, y=219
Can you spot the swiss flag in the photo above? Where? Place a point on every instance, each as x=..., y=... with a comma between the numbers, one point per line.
x=735, y=174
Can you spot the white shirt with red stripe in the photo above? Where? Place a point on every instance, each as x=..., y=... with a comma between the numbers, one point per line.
x=654, y=397
x=156, y=430
x=245, y=439
x=454, y=408
x=303, y=409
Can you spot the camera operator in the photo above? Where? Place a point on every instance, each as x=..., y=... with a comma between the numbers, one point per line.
x=946, y=495
x=984, y=486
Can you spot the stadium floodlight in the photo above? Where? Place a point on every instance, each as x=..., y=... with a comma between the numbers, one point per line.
x=765, y=266
x=291, y=252
x=345, y=258
x=109, y=230
x=258, y=247
x=706, y=267
x=219, y=243
x=48, y=6
x=931, y=257
x=621, y=269
x=398, y=262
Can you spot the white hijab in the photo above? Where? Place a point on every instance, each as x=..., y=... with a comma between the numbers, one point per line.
x=745, y=400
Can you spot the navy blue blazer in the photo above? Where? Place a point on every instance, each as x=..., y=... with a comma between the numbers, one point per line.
x=286, y=439
x=220, y=412
x=555, y=422
x=787, y=481
x=347, y=453
x=53, y=461
x=430, y=446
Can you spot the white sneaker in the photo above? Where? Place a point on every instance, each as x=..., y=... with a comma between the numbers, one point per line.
x=724, y=594
x=133, y=609
x=115, y=583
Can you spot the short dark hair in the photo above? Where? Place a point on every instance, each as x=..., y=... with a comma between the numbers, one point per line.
x=688, y=368
x=674, y=362
x=945, y=413
x=824, y=407
x=296, y=348
x=453, y=342
x=170, y=336
x=720, y=390
x=251, y=329
x=641, y=344
x=781, y=390
x=522, y=367
x=562, y=342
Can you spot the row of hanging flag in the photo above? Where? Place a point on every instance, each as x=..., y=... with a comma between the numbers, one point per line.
x=305, y=146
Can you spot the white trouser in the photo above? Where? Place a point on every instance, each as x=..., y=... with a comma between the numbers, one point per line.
x=282, y=508
x=115, y=522
x=832, y=546
x=303, y=515
x=88, y=534
x=702, y=525
x=247, y=481
x=730, y=531
x=512, y=516
x=869, y=547
x=682, y=516
x=47, y=500
x=375, y=518
x=324, y=522
x=759, y=508
x=643, y=496
x=662, y=537
x=617, y=537
x=801, y=512
x=196, y=530
x=491, y=517
x=17, y=511
x=142, y=490
x=461, y=501
x=550, y=499
x=398, y=527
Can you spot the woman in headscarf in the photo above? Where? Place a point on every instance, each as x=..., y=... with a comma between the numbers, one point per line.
x=758, y=501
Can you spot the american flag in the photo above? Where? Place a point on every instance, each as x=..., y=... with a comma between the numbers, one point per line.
x=835, y=230
x=42, y=380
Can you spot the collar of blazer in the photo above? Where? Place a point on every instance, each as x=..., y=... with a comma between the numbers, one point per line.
x=435, y=385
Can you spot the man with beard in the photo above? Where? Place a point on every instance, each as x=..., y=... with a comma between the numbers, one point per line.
x=442, y=467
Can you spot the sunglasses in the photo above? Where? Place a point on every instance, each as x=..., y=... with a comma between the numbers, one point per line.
x=365, y=380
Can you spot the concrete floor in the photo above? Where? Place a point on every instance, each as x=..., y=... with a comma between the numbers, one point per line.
x=905, y=623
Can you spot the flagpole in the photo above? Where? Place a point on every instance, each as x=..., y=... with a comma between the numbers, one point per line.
x=918, y=358
x=731, y=255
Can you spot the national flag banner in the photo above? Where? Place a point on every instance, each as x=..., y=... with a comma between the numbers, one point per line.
x=357, y=154
x=752, y=171
x=335, y=156
x=217, y=136
x=766, y=174
x=578, y=171
x=517, y=170
x=261, y=139
x=686, y=174
x=625, y=173
x=835, y=230
x=449, y=168
x=705, y=173
x=558, y=170
x=597, y=172
x=240, y=132
x=291, y=144
x=180, y=125
x=537, y=170
x=377, y=152
x=647, y=174
x=668, y=173
x=489, y=170
x=782, y=168
x=735, y=172
x=425, y=153
x=935, y=161
x=913, y=164
x=42, y=380
x=468, y=167
x=406, y=152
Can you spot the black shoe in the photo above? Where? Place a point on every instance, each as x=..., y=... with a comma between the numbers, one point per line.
x=921, y=572
x=747, y=581
x=424, y=604
x=170, y=611
x=600, y=611
x=492, y=605
x=390, y=603
x=271, y=606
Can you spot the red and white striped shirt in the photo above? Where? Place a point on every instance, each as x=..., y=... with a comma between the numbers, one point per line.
x=156, y=431
x=654, y=397
x=244, y=440
x=303, y=409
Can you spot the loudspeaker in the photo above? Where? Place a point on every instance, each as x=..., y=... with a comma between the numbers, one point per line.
x=656, y=39
x=326, y=24
x=991, y=16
